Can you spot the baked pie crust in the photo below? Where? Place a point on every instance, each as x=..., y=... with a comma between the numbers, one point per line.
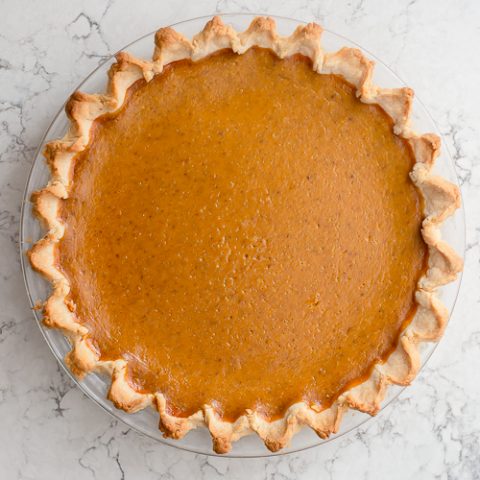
x=441, y=199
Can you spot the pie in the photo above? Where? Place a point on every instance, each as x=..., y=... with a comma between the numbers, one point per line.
x=244, y=233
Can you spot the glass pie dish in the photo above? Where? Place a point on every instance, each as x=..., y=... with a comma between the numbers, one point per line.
x=95, y=385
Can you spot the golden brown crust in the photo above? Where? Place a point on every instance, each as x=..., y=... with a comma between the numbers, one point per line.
x=441, y=200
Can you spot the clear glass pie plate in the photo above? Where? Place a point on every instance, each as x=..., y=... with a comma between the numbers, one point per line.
x=95, y=386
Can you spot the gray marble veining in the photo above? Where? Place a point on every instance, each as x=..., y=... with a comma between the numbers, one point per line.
x=49, y=430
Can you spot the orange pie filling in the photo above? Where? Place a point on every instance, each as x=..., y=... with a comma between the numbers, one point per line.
x=244, y=232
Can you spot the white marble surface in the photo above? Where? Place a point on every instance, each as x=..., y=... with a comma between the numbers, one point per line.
x=49, y=430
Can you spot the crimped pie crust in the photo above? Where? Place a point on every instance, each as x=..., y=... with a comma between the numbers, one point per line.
x=441, y=200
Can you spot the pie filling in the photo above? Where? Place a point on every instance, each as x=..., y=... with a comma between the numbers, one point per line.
x=244, y=232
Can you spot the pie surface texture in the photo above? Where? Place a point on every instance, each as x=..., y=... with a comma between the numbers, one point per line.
x=244, y=233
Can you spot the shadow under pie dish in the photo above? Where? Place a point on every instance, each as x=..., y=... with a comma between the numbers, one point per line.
x=244, y=233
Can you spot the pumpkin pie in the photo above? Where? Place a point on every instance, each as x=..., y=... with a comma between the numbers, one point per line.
x=244, y=233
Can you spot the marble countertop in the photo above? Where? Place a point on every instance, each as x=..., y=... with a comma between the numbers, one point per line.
x=50, y=430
